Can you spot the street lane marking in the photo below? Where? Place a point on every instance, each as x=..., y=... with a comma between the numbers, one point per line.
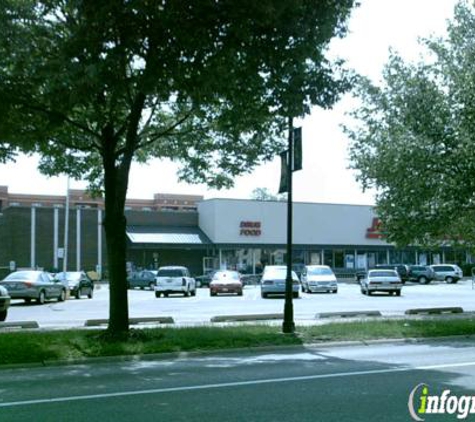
x=235, y=384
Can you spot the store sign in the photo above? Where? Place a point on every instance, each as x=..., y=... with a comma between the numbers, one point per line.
x=250, y=228
x=375, y=231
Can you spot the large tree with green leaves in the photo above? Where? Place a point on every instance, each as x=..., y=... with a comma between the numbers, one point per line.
x=94, y=85
x=414, y=139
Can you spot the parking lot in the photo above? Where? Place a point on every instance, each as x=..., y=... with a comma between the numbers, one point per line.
x=201, y=308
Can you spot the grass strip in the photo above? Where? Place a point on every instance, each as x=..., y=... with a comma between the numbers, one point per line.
x=67, y=345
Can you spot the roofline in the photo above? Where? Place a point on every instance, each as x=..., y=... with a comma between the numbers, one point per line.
x=283, y=202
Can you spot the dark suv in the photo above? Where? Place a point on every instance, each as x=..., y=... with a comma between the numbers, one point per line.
x=402, y=270
x=421, y=274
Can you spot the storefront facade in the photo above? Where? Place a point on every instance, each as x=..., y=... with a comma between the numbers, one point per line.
x=249, y=234
x=217, y=233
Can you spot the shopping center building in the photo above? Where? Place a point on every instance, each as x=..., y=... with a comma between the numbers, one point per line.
x=201, y=234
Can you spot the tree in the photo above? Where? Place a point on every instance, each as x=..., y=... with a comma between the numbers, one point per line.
x=206, y=83
x=263, y=194
x=414, y=140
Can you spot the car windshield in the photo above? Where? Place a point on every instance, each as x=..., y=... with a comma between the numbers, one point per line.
x=382, y=274
x=170, y=273
x=320, y=271
x=70, y=276
x=23, y=275
x=226, y=275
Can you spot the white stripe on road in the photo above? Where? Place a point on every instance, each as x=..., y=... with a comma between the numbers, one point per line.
x=235, y=384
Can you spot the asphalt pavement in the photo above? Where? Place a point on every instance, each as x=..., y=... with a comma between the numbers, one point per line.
x=201, y=308
x=370, y=382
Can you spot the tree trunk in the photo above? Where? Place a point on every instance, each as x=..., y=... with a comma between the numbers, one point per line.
x=115, y=228
x=115, y=183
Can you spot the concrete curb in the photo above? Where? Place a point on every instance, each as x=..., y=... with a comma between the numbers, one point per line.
x=442, y=310
x=132, y=321
x=19, y=324
x=250, y=317
x=349, y=314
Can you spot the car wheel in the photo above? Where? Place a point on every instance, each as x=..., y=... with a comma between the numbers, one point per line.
x=398, y=292
x=41, y=297
x=3, y=315
x=187, y=293
x=295, y=295
x=77, y=295
x=157, y=294
x=369, y=292
x=263, y=295
x=165, y=294
x=240, y=293
x=363, y=291
x=193, y=292
x=91, y=294
x=62, y=296
x=449, y=280
x=423, y=280
x=335, y=291
x=212, y=293
x=27, y=300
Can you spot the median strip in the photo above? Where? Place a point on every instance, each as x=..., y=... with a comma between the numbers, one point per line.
x=132, y=321
x=249, y=317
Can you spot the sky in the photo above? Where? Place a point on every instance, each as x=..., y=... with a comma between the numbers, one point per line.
x=374, y=27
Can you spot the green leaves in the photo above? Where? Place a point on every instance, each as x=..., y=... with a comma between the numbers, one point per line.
x=234, y=69
x=413, y=139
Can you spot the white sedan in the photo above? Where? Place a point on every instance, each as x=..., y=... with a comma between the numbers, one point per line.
x=381, y=281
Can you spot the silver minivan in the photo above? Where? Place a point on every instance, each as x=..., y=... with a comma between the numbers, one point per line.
x=449, y=273
x=319, y=278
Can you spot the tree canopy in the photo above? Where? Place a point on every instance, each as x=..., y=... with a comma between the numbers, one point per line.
x=414, y=136
x=93, y=85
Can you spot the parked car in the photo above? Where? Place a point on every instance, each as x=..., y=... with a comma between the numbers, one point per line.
x=37, y=285
x=174, y=279
x=447, y=272
x=298, y=268
x=78, y=283
x=402, y=270
x=381, y=280
x=273, y=281
x=422, y=274
x=204, y=280
x=4, y=303
x=141, y=279
x=225, y=282
x=318, y=278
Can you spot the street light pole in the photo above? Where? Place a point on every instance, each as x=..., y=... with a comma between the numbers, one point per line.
x=66, y=230
x=288, y=325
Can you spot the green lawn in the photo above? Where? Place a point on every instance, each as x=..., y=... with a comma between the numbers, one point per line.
x=41, y=346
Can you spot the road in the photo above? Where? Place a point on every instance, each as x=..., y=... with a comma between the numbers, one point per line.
x=359, y=383
x=200, y=309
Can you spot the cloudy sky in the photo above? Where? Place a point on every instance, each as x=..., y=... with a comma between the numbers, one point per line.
x=375, y=26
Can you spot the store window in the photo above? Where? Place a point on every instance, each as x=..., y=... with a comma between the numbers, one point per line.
x=316, y=258
x=381, y=257
x=328, y=258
